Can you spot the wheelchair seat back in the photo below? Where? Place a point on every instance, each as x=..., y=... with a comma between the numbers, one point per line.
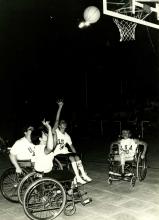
x=115, y=149
x=25, y=163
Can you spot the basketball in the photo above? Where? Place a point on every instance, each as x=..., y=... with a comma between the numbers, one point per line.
x=91, y=14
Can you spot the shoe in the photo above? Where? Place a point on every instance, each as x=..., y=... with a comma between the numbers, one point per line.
x=87, y=178
x=80, y=180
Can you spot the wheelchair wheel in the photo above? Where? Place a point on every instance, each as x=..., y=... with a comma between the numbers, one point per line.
x=31, y=177
x=133, y=181
x=24, y=184
x=44, y=199
x=141, y=168
x=9, y=184
x=69, y=208
x=57, y=164
x=109, y=181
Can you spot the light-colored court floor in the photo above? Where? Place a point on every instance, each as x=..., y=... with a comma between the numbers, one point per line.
x=114, y=202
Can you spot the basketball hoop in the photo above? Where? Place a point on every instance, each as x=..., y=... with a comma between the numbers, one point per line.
x=127, y=28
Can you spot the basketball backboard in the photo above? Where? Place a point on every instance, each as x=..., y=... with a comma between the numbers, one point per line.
x=144, y=12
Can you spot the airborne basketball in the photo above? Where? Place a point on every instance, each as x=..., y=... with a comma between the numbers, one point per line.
x=91, y=14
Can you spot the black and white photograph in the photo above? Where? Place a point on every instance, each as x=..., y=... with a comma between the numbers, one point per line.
x=79, y=114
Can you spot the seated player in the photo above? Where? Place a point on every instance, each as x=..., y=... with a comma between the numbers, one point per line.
x=44, y=142
x=127, y=148
x=64, y=139
x=23, y=149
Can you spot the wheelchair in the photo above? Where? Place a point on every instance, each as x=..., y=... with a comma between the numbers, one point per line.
x=135, y=169
x=10, y=180
x=45, y=197
x=60, y=163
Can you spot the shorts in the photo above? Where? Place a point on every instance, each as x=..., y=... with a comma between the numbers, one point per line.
x=123, y=158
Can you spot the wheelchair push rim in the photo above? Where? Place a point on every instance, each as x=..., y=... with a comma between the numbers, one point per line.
x=9, y=184
x=141, y=168
x=44, y=199
x=31, y=177
x=24, y=184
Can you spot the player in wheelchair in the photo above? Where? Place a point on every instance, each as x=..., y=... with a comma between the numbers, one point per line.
x=50, y=191
x=66, y=150
x=22, y=155
x=127, y=159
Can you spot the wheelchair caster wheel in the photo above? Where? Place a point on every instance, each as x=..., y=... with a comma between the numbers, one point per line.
x=109, y=181
x=133, y=181
x=69, y=209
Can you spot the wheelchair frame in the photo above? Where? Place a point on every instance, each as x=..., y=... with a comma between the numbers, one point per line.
x=42, y=197
x=10, y=180
x=54, y=197
x=24, y=184
x=137, y=167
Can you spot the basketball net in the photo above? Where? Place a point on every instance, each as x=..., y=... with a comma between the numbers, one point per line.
x=127, y=28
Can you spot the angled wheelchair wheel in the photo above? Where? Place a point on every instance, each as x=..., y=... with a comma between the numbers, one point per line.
x=24, y=184
x=109, y=181
x=31, y=177
x=133, y=181
x=9, y=184
x=69, y=209
x=44, y=199
x=57, y=164
x=141, y=168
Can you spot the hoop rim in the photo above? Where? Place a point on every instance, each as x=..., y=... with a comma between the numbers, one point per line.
x=128, y=9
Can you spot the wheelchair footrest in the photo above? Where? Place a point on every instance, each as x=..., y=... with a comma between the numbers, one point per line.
x=124, y=178
x=128, y=174
x=118, y=174
x=113, y=173
x=114, y=179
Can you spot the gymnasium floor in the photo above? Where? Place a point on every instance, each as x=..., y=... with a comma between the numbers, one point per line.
x=114, y=202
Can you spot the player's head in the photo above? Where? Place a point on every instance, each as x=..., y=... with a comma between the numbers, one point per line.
x=39, y=135
x=125, y=134
x=62, y=126
x=27, y=131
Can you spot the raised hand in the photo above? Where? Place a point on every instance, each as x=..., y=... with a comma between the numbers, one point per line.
x=46, y=124
x=60, y=102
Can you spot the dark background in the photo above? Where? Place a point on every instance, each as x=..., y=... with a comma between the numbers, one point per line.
x=45, y=56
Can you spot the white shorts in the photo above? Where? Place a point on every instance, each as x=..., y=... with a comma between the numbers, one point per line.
x=123, y=157
x=61, y=151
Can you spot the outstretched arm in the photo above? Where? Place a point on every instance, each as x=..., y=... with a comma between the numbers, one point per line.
x=60, y=104
x=50, y=140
